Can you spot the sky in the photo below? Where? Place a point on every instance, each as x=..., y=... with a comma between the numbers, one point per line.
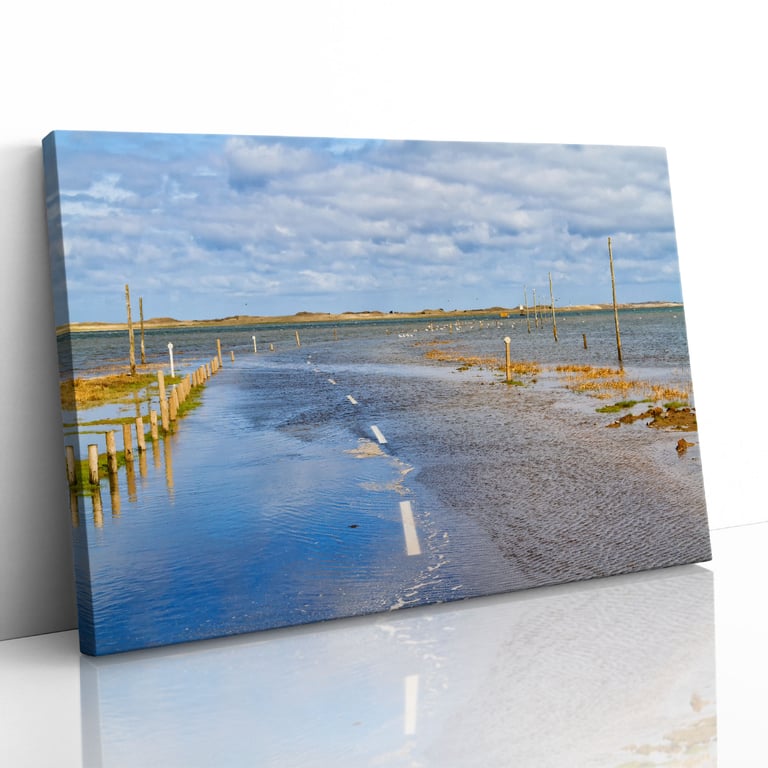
x=207, y=226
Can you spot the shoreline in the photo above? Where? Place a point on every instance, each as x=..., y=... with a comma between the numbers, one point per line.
x=328, y=317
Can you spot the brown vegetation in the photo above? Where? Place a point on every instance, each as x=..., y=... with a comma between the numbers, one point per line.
x=607, y=383
x=88, y=393
x=676, y=419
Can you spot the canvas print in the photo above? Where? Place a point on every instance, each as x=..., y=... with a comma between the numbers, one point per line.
x=310, y=378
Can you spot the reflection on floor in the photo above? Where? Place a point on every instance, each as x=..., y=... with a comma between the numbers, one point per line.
x=617, y=671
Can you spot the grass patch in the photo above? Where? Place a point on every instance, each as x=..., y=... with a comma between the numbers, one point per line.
x=194, y=400
x=517, y=367
x=82, y=472
x=676, y=404
x=607, y=383
x=616, y=407
x=106, y=422
x=466, y=361
x=82, y=393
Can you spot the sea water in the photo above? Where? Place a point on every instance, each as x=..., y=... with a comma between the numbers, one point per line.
x=286, y=496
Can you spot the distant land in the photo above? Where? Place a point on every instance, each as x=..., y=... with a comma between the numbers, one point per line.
x=327, y=317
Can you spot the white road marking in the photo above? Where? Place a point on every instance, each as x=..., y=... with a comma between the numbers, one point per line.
x=376, y=431
x=351, y=399
x=412, y=546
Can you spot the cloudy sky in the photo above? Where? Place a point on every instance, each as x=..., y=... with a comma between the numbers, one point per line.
x=213, y=226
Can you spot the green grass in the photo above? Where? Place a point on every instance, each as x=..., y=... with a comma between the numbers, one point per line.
x=621, y=405
x=676, y=404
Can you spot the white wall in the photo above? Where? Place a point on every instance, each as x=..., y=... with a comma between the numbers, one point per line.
x=687, y=77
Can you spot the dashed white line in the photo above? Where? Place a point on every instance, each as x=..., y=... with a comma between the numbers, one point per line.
x=351, y=399
x=412, y=546
x=376, y=431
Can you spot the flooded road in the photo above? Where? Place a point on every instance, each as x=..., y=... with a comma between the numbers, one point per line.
x=340, y=478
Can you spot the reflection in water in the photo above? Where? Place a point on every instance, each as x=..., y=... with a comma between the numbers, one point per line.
x=156, y=458
x=114, y=494
x=617, y=671
x=159, y=456
x=411, y=706
x=168, y=453
x=74, y=507
x=130, y=478
x=98, y=507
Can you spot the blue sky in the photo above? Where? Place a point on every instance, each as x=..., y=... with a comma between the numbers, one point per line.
x=212, y=226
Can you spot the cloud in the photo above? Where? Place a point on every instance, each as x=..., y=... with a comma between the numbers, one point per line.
x=230, y=218
x=254, y=163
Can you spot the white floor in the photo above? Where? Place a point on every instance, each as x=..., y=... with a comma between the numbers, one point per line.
x=628, y=671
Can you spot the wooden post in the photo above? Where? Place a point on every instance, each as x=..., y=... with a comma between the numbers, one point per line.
x=173, y=406
x=254, y=344
x=584, y=337
x=131, y=345
x=127, y=442
x=141, y=321
x=218, y=350
x=111, y=453
x=164, y=415
x=161, y=386
x=615, y=305
x=535, y=310
x=93, y=464
x=140, y=440
x=153, y=425
x=69, y=454
x=552, y=300
x=232, y=355
x=508, y=361
x=298, y=340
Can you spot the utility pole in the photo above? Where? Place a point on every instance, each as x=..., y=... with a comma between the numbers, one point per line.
x=527, y=315
x=615, y=306
x=552, y=301
x=131, y=344
x=141, y=320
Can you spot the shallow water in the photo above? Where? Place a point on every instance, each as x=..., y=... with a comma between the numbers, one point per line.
x=276, y=503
